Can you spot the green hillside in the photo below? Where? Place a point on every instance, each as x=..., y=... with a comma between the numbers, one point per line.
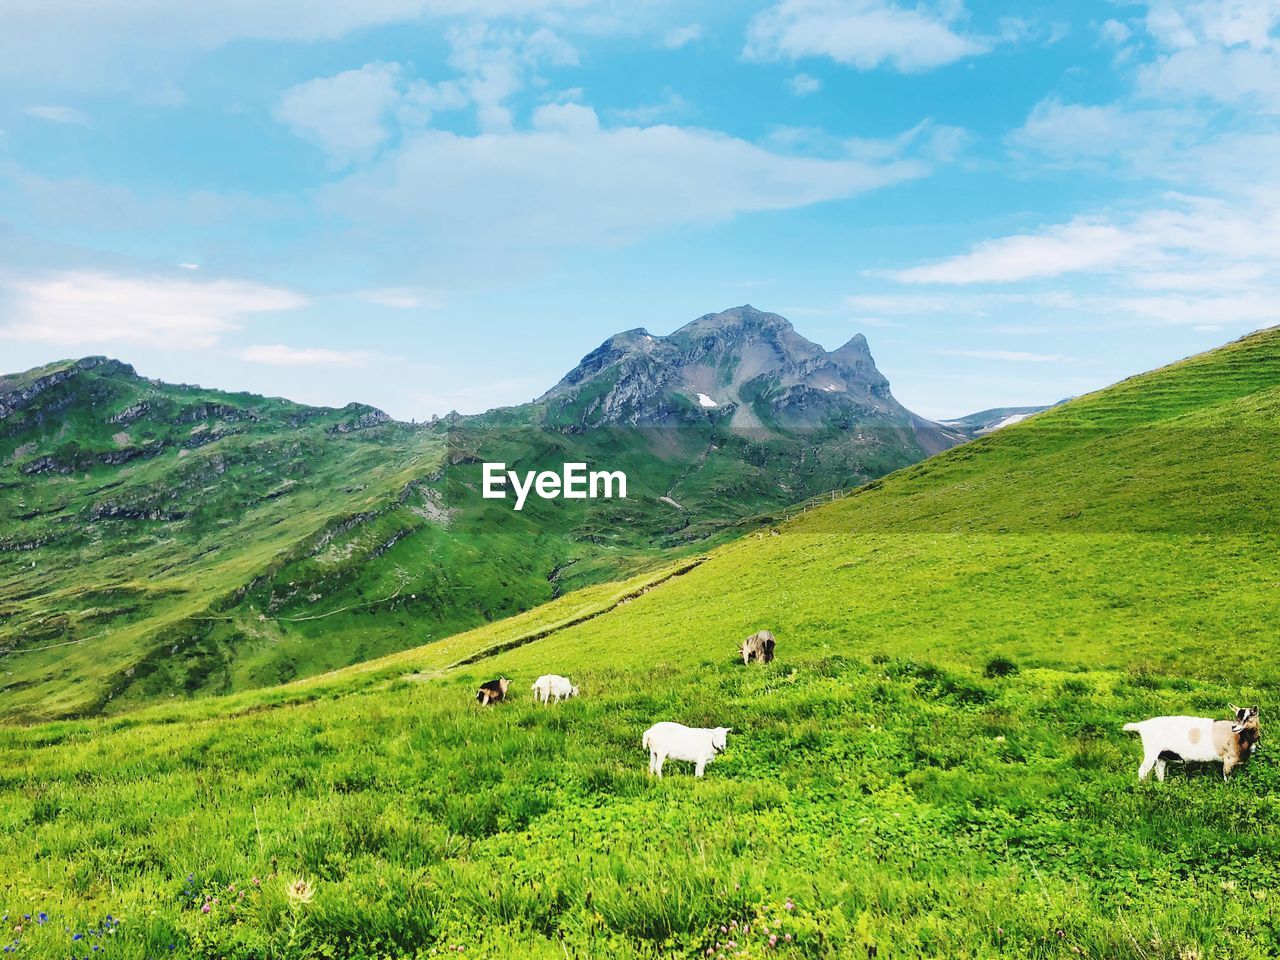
x=161, y=540
x=933, y=766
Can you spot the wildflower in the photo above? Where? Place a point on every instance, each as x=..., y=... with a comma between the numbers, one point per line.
x=788, y=905
x=787, y=938
x=207, y=908
x=773, y=939
x=41, y=917
x=301, y=891
x=78, y=936
x=257, y=882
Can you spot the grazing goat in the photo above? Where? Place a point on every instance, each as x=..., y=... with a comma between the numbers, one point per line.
x=492, y=691
x=552, y=686
x=759, y=646
x=1228, y=742
x=696, y=745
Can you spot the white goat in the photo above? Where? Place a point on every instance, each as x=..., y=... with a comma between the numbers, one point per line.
x=550, y=685
x=696, y=745
x=1228, y=742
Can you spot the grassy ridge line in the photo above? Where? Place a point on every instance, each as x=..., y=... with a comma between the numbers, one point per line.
x=1182, y=449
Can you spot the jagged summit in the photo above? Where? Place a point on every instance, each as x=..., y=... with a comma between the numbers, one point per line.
x=747, y=367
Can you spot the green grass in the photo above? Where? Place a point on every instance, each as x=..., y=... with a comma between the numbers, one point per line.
x=933, y=767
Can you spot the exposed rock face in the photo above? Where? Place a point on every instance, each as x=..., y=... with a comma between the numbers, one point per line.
x=750, y=369
x=364, y=417
x=17, y=393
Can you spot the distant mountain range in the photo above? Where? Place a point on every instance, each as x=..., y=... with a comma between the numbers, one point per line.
x=160, y=539
x=986, y=421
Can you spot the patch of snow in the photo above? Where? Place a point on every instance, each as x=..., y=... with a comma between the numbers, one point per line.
x=1006, y=422
x=706, y=401
x=830, y=388
x=672, y=502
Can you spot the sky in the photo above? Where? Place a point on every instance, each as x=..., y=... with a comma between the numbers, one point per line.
x=443, y=204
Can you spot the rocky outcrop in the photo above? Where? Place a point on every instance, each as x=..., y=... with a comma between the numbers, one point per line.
x=131, y=413
x=364, y=417
x=214, y=411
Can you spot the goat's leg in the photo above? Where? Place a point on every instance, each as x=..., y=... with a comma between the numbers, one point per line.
x=1148, y=762
x=1228, y=764
x=1160, y=768
x=659, y=760
x=702, y=765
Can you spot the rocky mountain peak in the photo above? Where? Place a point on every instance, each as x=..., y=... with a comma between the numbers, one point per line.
x=744, y=365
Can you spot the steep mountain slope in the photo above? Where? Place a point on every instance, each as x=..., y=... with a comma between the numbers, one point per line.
x=159, y=539
x=934, y=766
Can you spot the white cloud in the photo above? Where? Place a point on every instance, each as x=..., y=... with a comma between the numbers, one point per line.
x=345, y=114
x=496, y=63
x=682, y=36
x=94, y=307
x=864, y=34
x=58, y=114
x=401, y=298
x=1114, y=32
x=349, y=114
x=79, y=39
x=1068, y=248
x=1226, y=51
x=1183, y=243
x=670, y=107
x=570, y=180
x=1146, y=140
x=279, y=355
x=1012, y=356
x=927, y=139
x=802, y=84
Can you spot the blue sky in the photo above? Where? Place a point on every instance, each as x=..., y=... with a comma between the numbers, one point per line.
x=436, y=204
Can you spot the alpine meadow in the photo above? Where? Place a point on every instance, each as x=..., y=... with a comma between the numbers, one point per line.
x=932, y=766
x=662, y=480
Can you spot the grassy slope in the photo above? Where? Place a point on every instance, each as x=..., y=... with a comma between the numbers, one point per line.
x=247, y=541
x=1118, y=550
x=104, y=604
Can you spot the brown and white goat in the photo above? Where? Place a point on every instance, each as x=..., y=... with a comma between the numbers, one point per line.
x=1228, y=742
